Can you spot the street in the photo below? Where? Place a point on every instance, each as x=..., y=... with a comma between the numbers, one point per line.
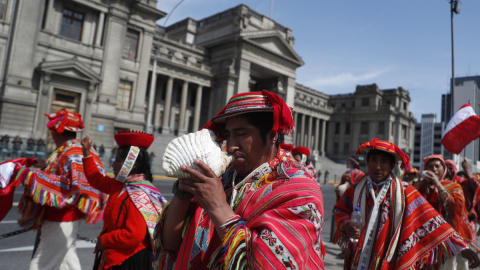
x=16, y=251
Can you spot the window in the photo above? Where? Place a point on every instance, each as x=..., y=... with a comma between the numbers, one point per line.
x=337, y=128
x=404, y=106
x=346, y=148
x=335, y=148
x=72, y=24
x=404, y=131
x=3, y=9
x=131, y=44
x=124, y=94
x=365, y=101
x=364, y=128
x=381, y=127
x=347, y=128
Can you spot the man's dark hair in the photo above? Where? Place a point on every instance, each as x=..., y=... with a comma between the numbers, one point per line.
x=380, y=152
x=69, y=134
x=264, y=122
x=142, y=162
x=462, y=174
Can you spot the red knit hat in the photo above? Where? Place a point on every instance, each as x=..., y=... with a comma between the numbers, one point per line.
x=286, y=147
x=64, y=120
x=127, y=137
x=439, y=157
x=385, y=146
x=412, y=170
x=263, y=101
x=301, y=150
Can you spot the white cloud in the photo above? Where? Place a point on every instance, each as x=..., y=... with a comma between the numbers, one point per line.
x=346, y=79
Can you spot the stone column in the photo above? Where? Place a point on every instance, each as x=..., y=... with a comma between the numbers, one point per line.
x=183, y=107
x=243, y=76
x=309, y=141
x=43, y=98
x=112, y=57
x=87, y=114
x=302, y=132
x=317, y=133
x=98, y=38
x=167, y=107
x=324, y=133
x=198, y=105
x=48, y=14
x=151, y=96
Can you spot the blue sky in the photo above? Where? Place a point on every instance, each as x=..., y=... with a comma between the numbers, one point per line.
x=345, y=43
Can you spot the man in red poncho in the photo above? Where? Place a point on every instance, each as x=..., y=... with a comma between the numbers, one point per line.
x=264, y=212
x=400, y=229
x=57, y=197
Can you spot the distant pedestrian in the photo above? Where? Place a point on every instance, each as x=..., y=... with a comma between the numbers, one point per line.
x=152, y=158
x=325, y=179
x=4, y=141
x=350, y=177
x=113, y=153
x=41, y=148
x=101, y=152
x=17, y=147
x=319, y=176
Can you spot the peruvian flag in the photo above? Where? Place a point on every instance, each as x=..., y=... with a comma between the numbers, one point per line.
x=463, y=128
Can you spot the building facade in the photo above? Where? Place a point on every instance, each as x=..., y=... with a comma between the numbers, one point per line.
x=427, y=140
x=110, y=62
x=91, y=57
x=467, y=90
x=366, y=114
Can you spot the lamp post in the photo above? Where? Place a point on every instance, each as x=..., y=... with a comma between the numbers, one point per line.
x=454, y=8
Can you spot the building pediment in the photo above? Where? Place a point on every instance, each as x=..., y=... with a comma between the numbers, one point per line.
x=71, y=68
x=272, y=41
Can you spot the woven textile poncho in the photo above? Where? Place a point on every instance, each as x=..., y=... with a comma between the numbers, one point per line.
x=425, y=239
x=278, y=224
x=62, y=183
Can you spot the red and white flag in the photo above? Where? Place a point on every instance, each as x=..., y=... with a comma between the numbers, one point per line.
x=463, y=128
x=8, y=183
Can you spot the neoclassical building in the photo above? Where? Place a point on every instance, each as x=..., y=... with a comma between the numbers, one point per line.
x=111, y=62
x=89, y=56
x=366, y=114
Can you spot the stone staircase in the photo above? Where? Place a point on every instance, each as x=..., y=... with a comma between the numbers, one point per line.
x=335, y=169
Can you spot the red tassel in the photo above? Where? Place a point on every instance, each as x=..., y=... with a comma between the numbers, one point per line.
x=282, y=115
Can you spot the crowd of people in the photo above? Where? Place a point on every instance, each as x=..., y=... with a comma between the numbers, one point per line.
x=264, y=212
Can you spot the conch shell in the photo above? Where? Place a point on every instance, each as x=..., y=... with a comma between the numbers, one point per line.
x=197, y=145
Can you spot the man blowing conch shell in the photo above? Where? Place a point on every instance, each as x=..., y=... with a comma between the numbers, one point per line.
x=261, y=204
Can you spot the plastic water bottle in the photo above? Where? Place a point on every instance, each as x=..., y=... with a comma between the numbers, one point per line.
x=357, y=222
